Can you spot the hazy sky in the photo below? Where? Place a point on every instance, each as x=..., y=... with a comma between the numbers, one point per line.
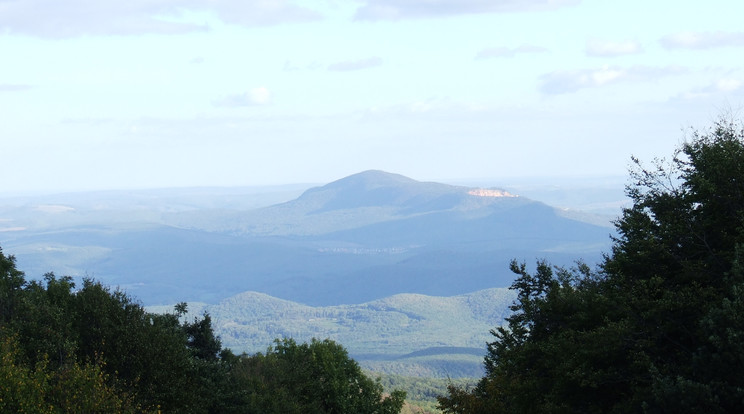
x=158, y=93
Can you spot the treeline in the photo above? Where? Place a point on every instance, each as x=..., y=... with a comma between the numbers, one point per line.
x=658, y=326
x=93, y=350
x=422, y=392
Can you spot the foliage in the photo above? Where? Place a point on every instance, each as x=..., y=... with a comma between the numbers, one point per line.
x=658, y=326
x=11, y=283
x=92, y=349
x=75, y=387
x=441, y=366
x=378, y=334
x=318, y=377
x=422, y=392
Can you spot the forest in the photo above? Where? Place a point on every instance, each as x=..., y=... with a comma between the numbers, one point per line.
x=657, y=326
x=88, y=349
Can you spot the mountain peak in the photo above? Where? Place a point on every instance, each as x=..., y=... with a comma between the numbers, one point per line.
x=371, y=179
x=375, y=188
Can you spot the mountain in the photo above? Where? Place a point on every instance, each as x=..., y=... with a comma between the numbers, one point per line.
x=356, y=201
x=378, y=189
x=355, y=240
x=409, y=334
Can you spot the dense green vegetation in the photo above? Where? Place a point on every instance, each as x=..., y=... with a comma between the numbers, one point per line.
x=422, y=392
x=64, y=349
x=440, y=366
x=391, y=335
x=658, y=327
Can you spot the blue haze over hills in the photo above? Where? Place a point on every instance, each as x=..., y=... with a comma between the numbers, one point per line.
x=358, y=239
x=409, y=276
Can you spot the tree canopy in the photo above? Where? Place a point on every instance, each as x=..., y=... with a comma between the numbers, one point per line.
x=93, y=349
x=658, y=326
x=318, y=377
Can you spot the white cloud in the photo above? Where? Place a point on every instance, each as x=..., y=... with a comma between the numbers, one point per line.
x=13, y=87
x=402, y=9
x=260, y=95
x=260, y=12
x=350, y=65
x=86, y=121
x=55, y=19
x=608, y=48
x=702, y=40
x=254, y=97
x=568, y=81
x=443, y=109
x=506, y=52
x=715, y=90
x=728, y=84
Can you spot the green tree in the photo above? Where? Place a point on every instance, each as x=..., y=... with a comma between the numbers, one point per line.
x=73, y=335
x=201, y=340
x=44, y=320
x=676, y=261
x=93, y=349
x=12, y=282
x=71, y=388
x=658, y=327
x=22, y=389
x=318, y=377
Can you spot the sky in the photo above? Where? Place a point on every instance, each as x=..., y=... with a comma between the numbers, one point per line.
x=175, y=93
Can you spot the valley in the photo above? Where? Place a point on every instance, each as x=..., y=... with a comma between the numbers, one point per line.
x=404, y=334
x=358, y=239
x=410, y=276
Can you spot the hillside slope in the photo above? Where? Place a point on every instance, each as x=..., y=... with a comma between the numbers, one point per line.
x=361, y=238
x=403, y=334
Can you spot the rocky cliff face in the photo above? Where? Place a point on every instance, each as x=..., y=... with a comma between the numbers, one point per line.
x=487, y=192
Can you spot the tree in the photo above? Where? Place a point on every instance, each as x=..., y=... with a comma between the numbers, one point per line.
x=98, y=337
x=658, y=326
x=318, y=377
x=72, y=387
x=677, y=259
x=12, y=282
x=93, y=349
x=201, y=340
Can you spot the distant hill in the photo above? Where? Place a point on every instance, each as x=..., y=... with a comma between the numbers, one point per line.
x=378, y=189
x=407, y=334
x=361, y=238
x=360, y=200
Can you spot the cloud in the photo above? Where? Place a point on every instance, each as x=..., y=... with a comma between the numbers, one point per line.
x=599, y=48
x=722, y=86
x=14, y=87
x=56, y=19
x=568, y=81
x=290, y=66
x=360, y=64
x=404, y=9
x=260, y=12
x=86, y=121
x=702, y=40
x=506, y=52
x=728, y=85
x=254, y=97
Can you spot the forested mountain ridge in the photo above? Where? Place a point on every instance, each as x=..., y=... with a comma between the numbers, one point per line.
x=360, y=200
x=360, y=238
x=387, y=335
